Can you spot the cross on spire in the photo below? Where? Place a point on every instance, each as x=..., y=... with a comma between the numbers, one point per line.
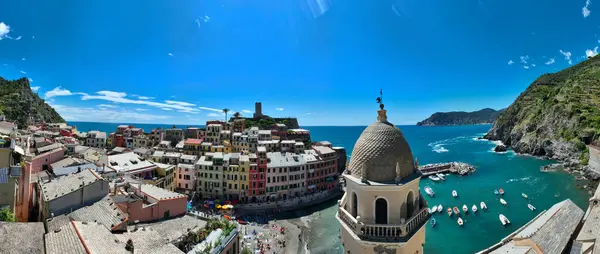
x=380, y=99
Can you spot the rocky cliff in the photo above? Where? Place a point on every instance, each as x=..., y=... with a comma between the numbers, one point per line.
x=556, y=115
x=18, y=103
x=484, y=116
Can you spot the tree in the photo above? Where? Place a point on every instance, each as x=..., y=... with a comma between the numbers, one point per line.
x=246, y=251
x=226, y=110
x=7, y=215
x=236, y=115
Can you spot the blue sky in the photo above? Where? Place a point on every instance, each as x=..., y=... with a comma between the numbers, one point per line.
x=322, y=61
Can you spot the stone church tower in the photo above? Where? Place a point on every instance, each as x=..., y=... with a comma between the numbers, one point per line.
x=382, y=210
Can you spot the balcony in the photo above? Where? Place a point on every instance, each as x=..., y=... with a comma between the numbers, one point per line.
x=384, y=232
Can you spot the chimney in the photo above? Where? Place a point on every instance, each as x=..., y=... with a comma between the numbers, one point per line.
x=129, y=246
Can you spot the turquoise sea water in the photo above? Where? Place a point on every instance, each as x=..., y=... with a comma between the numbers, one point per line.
x=514, y=173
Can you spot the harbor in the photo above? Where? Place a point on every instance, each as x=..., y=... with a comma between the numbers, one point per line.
x=459, y=168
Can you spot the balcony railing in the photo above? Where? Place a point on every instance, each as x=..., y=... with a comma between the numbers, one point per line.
x=384, y=232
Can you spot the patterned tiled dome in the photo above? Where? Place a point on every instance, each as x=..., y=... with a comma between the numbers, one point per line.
x=381, y=147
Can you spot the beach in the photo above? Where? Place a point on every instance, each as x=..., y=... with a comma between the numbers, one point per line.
x=270, y=238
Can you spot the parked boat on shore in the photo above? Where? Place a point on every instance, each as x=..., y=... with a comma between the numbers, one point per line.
x=429, y=191
x=504, y=220
x=460, y=221
x=483, y=206
x=502, y=201
x=454, y=193
x=474, y=208
x=531, y=207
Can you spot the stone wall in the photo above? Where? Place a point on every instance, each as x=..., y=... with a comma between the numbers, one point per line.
x=594, y=161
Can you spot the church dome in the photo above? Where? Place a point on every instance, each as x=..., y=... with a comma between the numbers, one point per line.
x=382, y=153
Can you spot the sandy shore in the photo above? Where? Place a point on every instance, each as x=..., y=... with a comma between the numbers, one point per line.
x=270, y=239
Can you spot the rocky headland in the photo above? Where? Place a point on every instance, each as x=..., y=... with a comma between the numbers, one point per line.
x=484, y=116
x=20, y=104
x=555, y=117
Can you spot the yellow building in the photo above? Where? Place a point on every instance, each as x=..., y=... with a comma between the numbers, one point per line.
x=382, y=210
x=220, y=149
x=235, y=173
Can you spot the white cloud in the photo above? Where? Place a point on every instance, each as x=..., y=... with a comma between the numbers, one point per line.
x=143, y=97
x=106, y=106
x=106, y=115
x=526, y=67
x=202, y=20
x=141, y=109
x=279, y=109
x=57, y=91
x=4, y=30
x=524, y=59
x=18, y=38
x=187, y=111
x=551, y=61
x=166, y=109
x=170, y=54
x=119, y=97
x=35, y=89
x=532, y=65
x=246, y=111
x=23, y=59
x=211, y=109
x=567, y=56
x=182, y=103
x=585, y=10
x=591, y=53
x=30, y=80
x=23, y=72
x=510, y=62
x=214, y=115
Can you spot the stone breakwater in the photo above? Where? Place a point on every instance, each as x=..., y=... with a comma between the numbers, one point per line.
x=459, y=168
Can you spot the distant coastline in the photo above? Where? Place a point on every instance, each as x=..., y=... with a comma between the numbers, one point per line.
x=484, y=116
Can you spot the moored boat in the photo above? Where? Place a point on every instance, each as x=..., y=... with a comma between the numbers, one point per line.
x=454, y=193
x=531, y=207
x=434, y=178
x=440, y=208
x=429, y=191
x=460, y=221
x=496, y=192
x=441, y=176
x=243, y=222
x=465, y=209
x=429, y=210
x=502, y=201
x=456, y=211
x=434, y=209
x=501, y=191
x=474, y=208
x=483, y=206
x=227, y=217
x=524, y=195
x=449, y=211
x=432, y=221
x=504, y=220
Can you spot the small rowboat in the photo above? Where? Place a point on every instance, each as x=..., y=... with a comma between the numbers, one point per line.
x=524, y=195
x=474, y=208
x=501, y=191
x=434, y=209
x=441, y=176
x=482, y=206
x=440, y=208
x=456, y=211
x=502, y=201
x=454, y=193
x=465, y=209
x=460, y=221
x=429, y=191
x=434, y=178
x=432, y=221
x=531, y=207
x=243, y=222
x=449, y=211
x=227, y=217
x=504, y=220
x=496, y=192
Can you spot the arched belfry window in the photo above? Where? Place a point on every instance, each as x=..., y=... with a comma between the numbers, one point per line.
x=381, y=211
x=410, y=204
x=354, y=210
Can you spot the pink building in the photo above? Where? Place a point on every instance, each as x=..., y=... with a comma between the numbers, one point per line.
x=150, y=203
x=185, y=177
x=33, y=165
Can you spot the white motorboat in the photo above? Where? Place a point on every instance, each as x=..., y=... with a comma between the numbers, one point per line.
x=465, y=209
x=434, y=209
x=460, y=221
x=440, y=208
x=429, y=210
x=434, y=178
x=531, y=207
x=483, y=206
x=454, y=193
x=474, y=208
x=502, y=201
x=504, y=220
x=429, y=191
x=524, y=195
x=496, y=192
x=441, y=176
